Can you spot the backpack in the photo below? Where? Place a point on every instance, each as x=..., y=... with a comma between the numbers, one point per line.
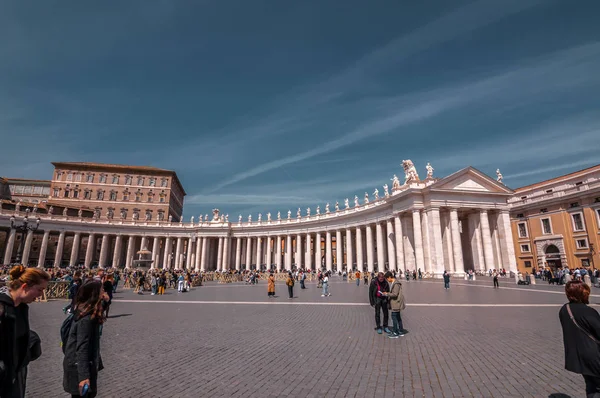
x=65, y=329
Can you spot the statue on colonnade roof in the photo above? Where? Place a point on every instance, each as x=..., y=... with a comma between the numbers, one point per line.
x=410, y=171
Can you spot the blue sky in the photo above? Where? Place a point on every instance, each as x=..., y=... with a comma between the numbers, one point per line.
x=273, y=105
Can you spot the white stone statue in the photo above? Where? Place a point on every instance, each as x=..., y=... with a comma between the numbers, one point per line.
x=376, y=194
x=259, y=217
x=386, y=192
x=65, y=212
x=347, y=203
x=308, y=212
x=499, y=176
x=278, y=215
x=215, y=214
x=249, y=218
x=226, y=219
x=410, y=171
x=80, y=213
x=356, y=201
x=429, y=170
x=50, y=210
x=289, y=214
x=269, y=217
x=318, y=210
x=337, y=206
x=240, y=219
x=192, y=220
x=395, y=183
x=35, y=208
x=327, y=208
x=170, y=218
x=222, y=219
x=366, y=197
x=299, y=213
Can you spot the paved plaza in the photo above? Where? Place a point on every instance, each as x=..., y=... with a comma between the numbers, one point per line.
x=231, y=341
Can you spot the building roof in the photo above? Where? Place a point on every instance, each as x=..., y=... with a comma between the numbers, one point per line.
x=26, y=181
x=553, y=180
x=110, y=166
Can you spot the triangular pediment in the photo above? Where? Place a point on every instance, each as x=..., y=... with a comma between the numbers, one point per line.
x=470, y=180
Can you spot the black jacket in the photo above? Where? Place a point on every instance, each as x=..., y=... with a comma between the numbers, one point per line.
x=15, y=355
x=373, y=288
x=82, y=355
x=582, y=354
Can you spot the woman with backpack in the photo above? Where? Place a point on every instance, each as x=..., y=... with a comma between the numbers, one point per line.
x=18, y=344
x=82, y=347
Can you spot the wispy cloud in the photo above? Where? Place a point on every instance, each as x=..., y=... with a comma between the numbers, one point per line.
x=591, y=161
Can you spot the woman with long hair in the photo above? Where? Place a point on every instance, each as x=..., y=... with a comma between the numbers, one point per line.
x=18, y=344
x=82, y=350
x=581, y=336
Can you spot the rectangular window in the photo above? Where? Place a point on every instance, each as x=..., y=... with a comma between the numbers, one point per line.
x=581, y=243
x=90, y=178
x=115, y=179
x=127, y=180
x=125, y=196
x=525, y=248
x=140, y=181
x=585, y=262
x=100, y=195
x=522, y=230
x=163, y=182
x=66, y=193
x=152, y=181
x=113, y=196
x=56, y=191
x=102, y=179
x=76, y=194
x=69, y=176
x=87, y=195
x=162, y=199
x=546, y=226
x=149, y=198
x=527, y=264
x=577, y=222
x=78, y=177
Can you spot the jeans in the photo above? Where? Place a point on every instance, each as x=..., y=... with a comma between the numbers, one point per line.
x=115, y=286
x=291, y=291
x=357, y=281
x=397, y=321
x=447, y=285
x=180, y=286
x=154, y=289
x=325, y=288
x=302, y=284
x=592, y=386
x=381, y=305
x=496, y=284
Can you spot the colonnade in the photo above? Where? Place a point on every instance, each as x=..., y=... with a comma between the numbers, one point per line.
x=432, y=240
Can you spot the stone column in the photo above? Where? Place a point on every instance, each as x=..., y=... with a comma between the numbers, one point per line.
x=130, y=251
x=447, y=242
x=288, y=252
x=144, y=243
x=437, y=250
x=488, y=251
x=360, y=264
x=419, y=259
x=299, y=251
x=269, y=254
x=43, y=250
x=59, y=249
x=226, y=244
x=318, y=264
x=390, y=243
x=339, y=250
x=308, y=254
x=349, y=254
x=203, y=254
x=370, y=254
x=220, y=253
x=248, y=253
x=399, y=243
x=103, y=251
x=10, y=246
x=238, y=253
x=328, y=253
x=278, y=253
x=27, y=248
x=155, y=252
x=198, y=253
x=459, y=264
x=118, y=249
x=178, y=253
x=190, y=251
x=475, y=240
x=75, y=249
x=380, y=252
x=259, y=246
x=506, y=240
x=166, y=263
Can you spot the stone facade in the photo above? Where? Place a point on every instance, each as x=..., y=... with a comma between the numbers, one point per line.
x=557, y=222
x=25, y=190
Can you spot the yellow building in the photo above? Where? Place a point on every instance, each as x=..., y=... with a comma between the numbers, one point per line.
x=556, y=223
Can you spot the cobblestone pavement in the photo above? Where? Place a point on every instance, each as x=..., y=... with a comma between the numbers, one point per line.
x=211, y=343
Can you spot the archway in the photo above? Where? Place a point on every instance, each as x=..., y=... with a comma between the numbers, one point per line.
x=552, y=253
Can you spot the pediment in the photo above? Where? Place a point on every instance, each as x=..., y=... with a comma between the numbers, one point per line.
x=470, y=180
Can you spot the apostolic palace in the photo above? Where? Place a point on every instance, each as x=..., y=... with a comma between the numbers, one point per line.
x=108, y=215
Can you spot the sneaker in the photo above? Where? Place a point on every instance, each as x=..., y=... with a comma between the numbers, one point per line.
x=322, y=295
x=393, y=336
x=379, y=331
x=401, y=334
x=404, y=331
x=387, y=330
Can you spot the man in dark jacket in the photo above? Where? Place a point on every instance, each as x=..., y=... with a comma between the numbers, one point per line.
x=378, y=286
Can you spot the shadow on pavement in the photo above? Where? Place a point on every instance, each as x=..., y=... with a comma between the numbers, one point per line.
x=118, y=316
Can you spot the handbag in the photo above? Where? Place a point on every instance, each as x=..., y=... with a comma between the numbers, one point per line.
x=579, y=327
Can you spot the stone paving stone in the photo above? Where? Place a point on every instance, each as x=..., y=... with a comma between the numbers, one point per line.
x=269, y=350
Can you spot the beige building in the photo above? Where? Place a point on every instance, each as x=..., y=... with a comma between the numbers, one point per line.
x=118, y=192
x=24, y=190
x=556, y=223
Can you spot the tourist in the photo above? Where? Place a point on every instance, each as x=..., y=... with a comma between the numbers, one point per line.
x=82, y=359
x=162, y=282
x=302, y=280
x=117, y=279
x=180, y=281
x=496, y=284
x=140, y=283
x=325, y=284
x=290, y=284
x=378, y=287
x=396, y=299
x=581, y=336
x=271, y=286
x=108, y=288
x=154, y=284
x=18, y=344
x=357, y=276
x=72, y=294
x=446, y=277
